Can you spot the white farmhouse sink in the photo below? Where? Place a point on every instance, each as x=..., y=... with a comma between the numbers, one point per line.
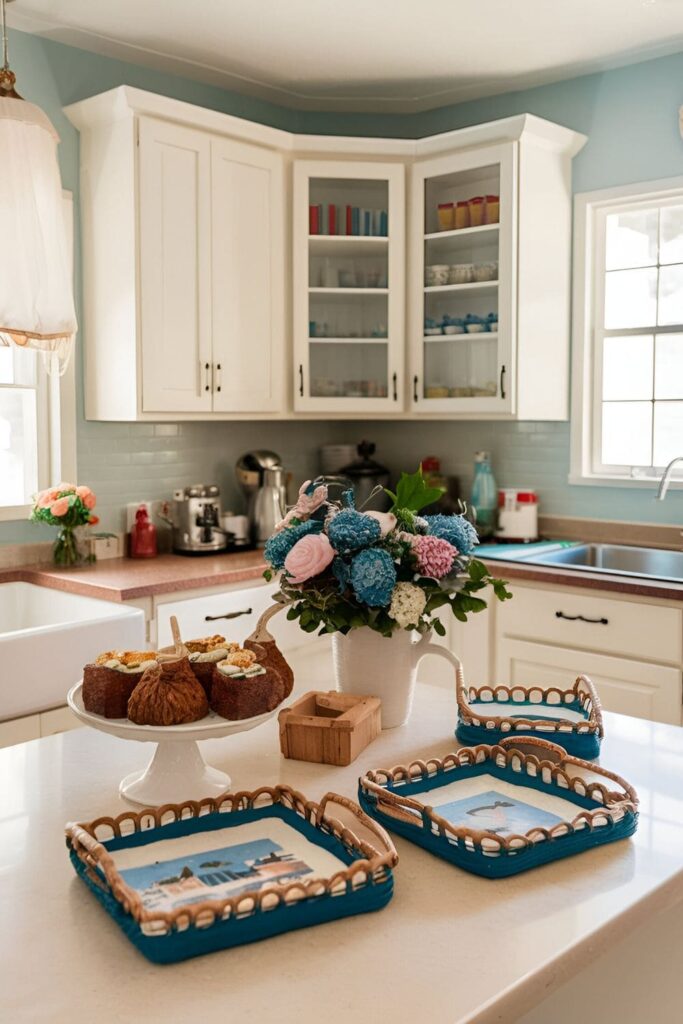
x=46, y=637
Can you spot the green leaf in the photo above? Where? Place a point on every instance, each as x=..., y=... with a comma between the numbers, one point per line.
x=413, y=494
x=438, y=627
x=477, y=570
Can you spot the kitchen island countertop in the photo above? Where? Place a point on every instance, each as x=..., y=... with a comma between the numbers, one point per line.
x=450, y=947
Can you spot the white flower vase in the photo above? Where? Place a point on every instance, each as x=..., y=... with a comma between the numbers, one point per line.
x=365, y=662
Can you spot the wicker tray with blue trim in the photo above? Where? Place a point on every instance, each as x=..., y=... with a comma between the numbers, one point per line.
x=498, y=810
x=572, y=718
x=192, y=878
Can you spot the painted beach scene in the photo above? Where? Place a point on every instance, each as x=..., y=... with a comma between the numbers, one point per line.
x=214, y=874
x=496, y=812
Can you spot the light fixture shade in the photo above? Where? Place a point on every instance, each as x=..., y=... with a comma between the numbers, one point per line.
x=36, y=294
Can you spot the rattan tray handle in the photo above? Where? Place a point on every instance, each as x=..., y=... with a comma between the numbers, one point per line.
x=364, y=819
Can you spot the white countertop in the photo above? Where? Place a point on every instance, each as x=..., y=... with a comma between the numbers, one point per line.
x=450, y=947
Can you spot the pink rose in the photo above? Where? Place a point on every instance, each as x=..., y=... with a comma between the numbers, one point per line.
x=60, y=507
x=308, y=557
x=88, y=499
x=60, y=488
x=45, y=498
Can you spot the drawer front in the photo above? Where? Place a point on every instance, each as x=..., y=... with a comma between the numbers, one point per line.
x=593, y=622
x=654, y=692
x=250, y=602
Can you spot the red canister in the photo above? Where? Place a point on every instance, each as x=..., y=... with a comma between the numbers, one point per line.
x=143, y=536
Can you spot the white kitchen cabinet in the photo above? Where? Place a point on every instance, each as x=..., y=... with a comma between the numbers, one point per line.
x=515, y=365
x=637, y=688
x=631, y=648
x=186, y=303
x=183, y=268
x=174, y=168
x=349, y=286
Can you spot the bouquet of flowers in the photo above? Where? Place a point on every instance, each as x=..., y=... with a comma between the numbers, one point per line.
x=342, y=568
x=67, y=507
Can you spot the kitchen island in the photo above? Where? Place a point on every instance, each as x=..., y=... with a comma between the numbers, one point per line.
x=584, y=935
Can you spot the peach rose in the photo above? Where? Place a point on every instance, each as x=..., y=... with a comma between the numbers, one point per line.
x=60, y=507
x=82, y=491
x=308, y=557
x=89, y=499
x=386, y=520
x=45, y=498
x=60, y=488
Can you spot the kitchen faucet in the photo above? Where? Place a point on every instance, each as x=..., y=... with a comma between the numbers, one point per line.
x=666, y=478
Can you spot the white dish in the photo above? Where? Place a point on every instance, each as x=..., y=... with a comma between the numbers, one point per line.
x=454, y=329
x=177, y=770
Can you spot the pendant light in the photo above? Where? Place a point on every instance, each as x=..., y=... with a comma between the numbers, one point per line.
x=36, y=295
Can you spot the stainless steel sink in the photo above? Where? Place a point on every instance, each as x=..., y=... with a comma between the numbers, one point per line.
x=616, y=558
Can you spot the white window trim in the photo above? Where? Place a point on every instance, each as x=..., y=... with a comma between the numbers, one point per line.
x=587, y=205
x=57, y=432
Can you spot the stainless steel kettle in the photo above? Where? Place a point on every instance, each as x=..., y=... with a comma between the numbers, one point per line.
x=268, y=506
x=368, y=477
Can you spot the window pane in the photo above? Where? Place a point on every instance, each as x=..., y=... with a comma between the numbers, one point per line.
x=631, y=239
x=627, y=367
x=630, y=298
x=626, y=433
x=668, y=432
x=6, y=365
x=671, y=295
x=671, y=237
x=18, y=446
x=669, y=367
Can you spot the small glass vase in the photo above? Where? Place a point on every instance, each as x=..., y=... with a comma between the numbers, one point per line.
x=70, y=548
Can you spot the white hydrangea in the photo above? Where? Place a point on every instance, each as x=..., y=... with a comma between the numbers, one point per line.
x=407, y=604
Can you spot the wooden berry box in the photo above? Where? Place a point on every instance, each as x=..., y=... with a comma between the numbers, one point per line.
x=329, y=727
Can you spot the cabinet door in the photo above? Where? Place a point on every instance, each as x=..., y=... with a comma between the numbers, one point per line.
x=629, y=687
x=463, y=294
x=175, y=255
x=247, y=277
x=349, y=231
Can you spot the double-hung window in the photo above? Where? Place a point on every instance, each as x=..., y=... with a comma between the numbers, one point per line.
x=628, y=332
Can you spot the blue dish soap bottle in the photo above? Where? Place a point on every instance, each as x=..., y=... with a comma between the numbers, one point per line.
x=484, y=495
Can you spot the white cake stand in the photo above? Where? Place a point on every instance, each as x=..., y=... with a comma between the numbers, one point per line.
x=177, y=770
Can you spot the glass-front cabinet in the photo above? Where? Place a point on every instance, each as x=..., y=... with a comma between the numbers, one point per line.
x=349, y=254
x=463, y=236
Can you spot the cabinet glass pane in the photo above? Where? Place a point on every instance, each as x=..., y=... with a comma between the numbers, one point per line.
x=630, y=298
x=348, y=206
x=626, y=433
x=348, y=369
x=668, y=432
x=631, y=239
x=671, y=234
x=670, y=309
x=627, y=367
x=669, y=367
x=466, y=367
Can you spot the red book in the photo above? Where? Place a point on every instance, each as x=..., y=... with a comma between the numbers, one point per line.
x=349, y=223
x=332, y=222
x=313, y=220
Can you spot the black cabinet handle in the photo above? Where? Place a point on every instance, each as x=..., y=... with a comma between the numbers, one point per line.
x=502, y=381
x=301, y=379
x=228, y=615
x=415, y=398
x=395, y=380
x=582, y=618
x=207, y=386
x=218, y=376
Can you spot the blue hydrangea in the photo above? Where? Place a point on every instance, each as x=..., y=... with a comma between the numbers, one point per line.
x=350, y=530
x=280, y=544
x=373, y=577
x=456, y=530
x=342, y=573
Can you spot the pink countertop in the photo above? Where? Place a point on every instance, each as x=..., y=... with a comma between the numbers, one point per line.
x=122, y=579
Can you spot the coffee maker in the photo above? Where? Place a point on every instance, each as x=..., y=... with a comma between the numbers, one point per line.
x=195, y=520
x=262, y=479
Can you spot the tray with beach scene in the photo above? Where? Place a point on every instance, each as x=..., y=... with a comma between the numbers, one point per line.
x=192, y=878
x=498, y=810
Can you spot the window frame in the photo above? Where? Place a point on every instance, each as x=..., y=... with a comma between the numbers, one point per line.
x=590, y=213
x=56, y=413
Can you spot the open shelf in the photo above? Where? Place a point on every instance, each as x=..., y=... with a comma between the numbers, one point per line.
x=348, y=291
x=481, y=287
x=347, y=245
x=463, y=234
x=475, y=335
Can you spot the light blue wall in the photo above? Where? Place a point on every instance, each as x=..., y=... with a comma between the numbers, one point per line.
x=630, y=116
